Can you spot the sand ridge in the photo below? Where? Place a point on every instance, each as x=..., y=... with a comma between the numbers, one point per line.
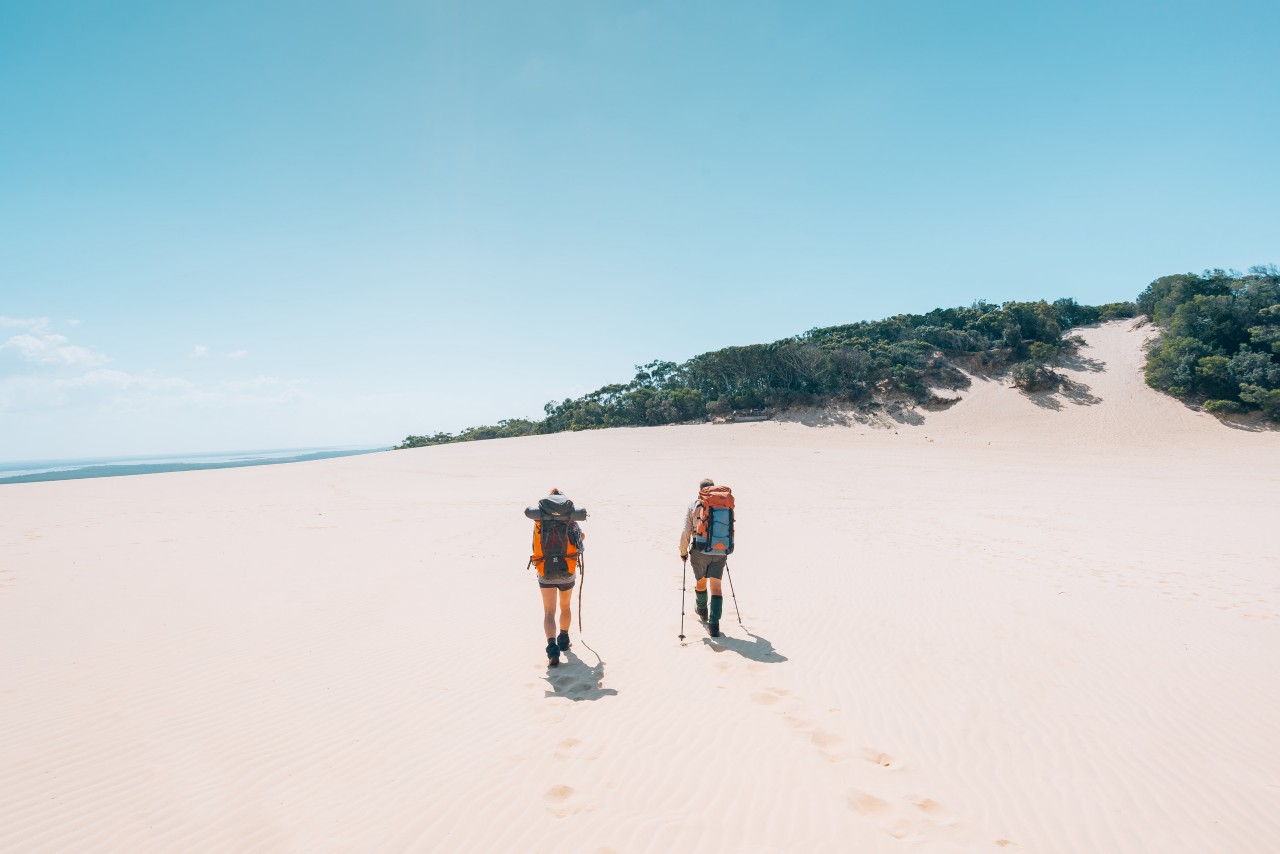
x=1021, y=625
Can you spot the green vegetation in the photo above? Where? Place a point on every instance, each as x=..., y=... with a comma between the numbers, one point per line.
x=855, y=363
x=1220, y=339
x=1219, y=347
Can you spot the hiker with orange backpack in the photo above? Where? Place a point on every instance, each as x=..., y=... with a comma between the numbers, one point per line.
x=558, y=557
x=708, y=529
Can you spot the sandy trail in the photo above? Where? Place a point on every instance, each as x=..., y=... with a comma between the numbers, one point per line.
x=1048, y=625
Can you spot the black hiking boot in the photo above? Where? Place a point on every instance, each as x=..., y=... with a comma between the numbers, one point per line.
x=553, y=654
x=701, y=612
x=562, y=640
x=714, y=628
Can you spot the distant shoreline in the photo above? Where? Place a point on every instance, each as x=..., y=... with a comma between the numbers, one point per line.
x=35, y=472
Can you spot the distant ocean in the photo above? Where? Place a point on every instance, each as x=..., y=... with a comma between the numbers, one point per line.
x=31, y=471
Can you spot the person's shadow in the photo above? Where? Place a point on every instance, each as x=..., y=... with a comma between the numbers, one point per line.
x=757, y=649
x=576, y=681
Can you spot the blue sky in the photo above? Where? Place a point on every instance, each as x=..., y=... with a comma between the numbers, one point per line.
x=279, y=224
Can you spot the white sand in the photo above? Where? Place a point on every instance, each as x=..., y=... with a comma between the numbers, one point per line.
x=1008, y=628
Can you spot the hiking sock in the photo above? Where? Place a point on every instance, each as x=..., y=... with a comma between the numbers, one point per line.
x=717, y=608
x=562, y=640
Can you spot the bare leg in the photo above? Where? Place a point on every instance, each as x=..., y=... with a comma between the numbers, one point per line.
x=549, y=611
x=716, y=589
x=566, y=609
x=701, y=584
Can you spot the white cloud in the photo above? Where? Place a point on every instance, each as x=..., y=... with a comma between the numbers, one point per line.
x=38, y=325
x=73, y=322
x=255, y=382
x=112, y=379
x=47, y=349
x=261, y=392
x=110, y=390
x=44, y=375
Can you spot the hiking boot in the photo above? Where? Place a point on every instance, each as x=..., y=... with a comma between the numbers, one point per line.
x=701, y=611
x=714, y=628
x=562, y=640
x=553, y=654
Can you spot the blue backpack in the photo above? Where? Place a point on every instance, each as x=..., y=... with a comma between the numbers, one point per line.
x=713, y=521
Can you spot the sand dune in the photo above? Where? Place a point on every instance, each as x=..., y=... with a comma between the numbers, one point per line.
x=1046, y=625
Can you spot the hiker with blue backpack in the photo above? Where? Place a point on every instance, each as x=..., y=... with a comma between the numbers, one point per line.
x=558, y=557
x=707, y=538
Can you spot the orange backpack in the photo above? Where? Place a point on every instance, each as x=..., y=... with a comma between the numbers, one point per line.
x=555, y=548
x=713, y=520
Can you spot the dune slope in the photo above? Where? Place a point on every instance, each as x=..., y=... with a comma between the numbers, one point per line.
x=1025, y=624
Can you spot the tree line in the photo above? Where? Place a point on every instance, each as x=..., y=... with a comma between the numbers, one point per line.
x=904, y=356
x=1220, y=339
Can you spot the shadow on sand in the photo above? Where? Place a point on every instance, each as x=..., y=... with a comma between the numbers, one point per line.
x=757, y=649
x=574, y=680
x=1076, y=362
x=1070, y=390
x=1252, y=422
x=1044, y=399
x=1079, y=393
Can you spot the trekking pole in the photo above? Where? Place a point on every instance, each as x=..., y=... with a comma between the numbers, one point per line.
x=684, y=579
x=582, y=564
x=736, y=609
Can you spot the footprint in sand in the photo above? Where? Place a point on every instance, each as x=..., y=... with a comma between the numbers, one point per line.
x=884, y=760
x=831, y=744
x=866, y=803
x=565, y=748
x=795, y=721
x=884, y=814
x=934, y=810
x=825, y=739
x=769, y=696
x=558, y=794
x=559, y=800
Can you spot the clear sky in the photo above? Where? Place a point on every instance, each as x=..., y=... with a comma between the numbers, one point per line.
x=278, y=224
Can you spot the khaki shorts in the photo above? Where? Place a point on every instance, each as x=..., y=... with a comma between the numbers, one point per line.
x=706, y=566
